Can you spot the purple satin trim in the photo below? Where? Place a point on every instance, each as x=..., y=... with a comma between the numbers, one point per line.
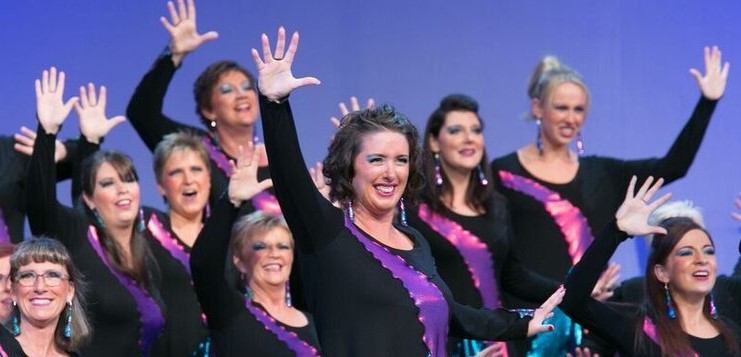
x=300, y=347
x=475, y=253
x=150, y=317
x=170, y=244
x=267, y=203
x=4, y=235
x=2, y=352
x=217, y=156
x=650, y=330
x=433, y=308
x=568, y=218
x=263, y=201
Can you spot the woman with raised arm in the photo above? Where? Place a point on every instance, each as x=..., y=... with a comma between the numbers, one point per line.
x=557, y=197
x=260, y=318
x=226, y=103
x=679, y=317
x=372, y=284
x=138, y=284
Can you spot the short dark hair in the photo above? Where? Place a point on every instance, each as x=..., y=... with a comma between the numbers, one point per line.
x=208, y=79
x=477, y=194
x=338, y=165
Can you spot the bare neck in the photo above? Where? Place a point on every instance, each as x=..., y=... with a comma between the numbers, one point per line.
x=122, y=236
x=39, y=340
x=231, y=138
x=692, y=317
x=456, y=199
x=381, y=228
x=186, y=228
x=273, y=298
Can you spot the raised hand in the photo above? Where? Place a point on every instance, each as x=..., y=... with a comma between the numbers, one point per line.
x=605, y=286
x=243, y=183
x=25, y=139
x=51, y=109
x=737, y=215
x=275, y=79
x=94, y=124
x=713, y=84
x=545, y=311
x=184, y=36
x=579, y=352
x=632, y=215
x=354, y=105
x=497, y=349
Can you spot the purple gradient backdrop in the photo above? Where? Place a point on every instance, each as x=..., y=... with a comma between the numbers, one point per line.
x=634, y=55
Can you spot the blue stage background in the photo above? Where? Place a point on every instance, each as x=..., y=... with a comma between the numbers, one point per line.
x=634, y=55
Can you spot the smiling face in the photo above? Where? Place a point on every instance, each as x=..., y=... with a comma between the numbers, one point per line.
x=185, y=183
x=691, y=267
x=381, y=172
x=562, y=114
x=40, y=304
x=266, y=259
x=460, y=142
x=115, y=198
x=233, y=101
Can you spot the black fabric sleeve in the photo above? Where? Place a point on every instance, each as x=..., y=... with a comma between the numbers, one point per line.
x=516, y=278
x=208, y=258
x=313, y=220
x=578, y=303
x=145, y=107
x=486, y=324
x=64, y=168
x=83, y=150
x=46, y=215
x=677, y=161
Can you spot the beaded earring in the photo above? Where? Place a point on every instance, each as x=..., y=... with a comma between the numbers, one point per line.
x=213, y=124
x=538, y=139
x=438, y=175
x=350, y=213
x=98, y=219
x=669, y=305
x=15, y=327
x=68, y=325
x=402, y=212
x=140, y=225
x=713, y=310
x=579, y=144
x=482, y=176
x=289, y=303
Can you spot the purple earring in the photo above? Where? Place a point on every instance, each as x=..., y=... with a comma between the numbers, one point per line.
x=482, y=176
x=579, y=144
x=538, y=140
x=438, y=175
x=402, y=212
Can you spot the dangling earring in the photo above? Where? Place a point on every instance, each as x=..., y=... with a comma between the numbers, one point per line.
x=289, y=303
x=207, y=211
x=248, y=293
x=538, y=140
x=68, y=326
x=482, y=176
x=98, y=219
x=350, y=213
x=213, y=124
x=438, y=175
x=402, y=212
x=140, y=224
x=579, y=144
x=713, y=310
x=669, y=305
x=15, y=325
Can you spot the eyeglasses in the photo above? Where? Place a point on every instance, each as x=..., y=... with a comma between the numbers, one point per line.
x=51, y=278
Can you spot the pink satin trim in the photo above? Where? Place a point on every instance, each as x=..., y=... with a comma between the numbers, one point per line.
x=568, y=218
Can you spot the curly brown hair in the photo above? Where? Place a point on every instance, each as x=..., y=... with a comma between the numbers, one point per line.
x=338, y=165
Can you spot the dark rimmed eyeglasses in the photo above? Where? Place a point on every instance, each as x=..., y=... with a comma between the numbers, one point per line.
x=51, y=278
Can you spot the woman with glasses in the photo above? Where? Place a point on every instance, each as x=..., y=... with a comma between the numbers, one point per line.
x=49, y=317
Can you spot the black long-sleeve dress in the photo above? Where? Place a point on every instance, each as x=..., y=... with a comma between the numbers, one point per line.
x=368, y=299
x=553, y=223
x=238, y=329
x=613, y=325
x=475, y=258
x=128, y=320
x=9, y=346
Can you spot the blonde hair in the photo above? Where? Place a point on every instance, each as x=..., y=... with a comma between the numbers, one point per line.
x=548, y=74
